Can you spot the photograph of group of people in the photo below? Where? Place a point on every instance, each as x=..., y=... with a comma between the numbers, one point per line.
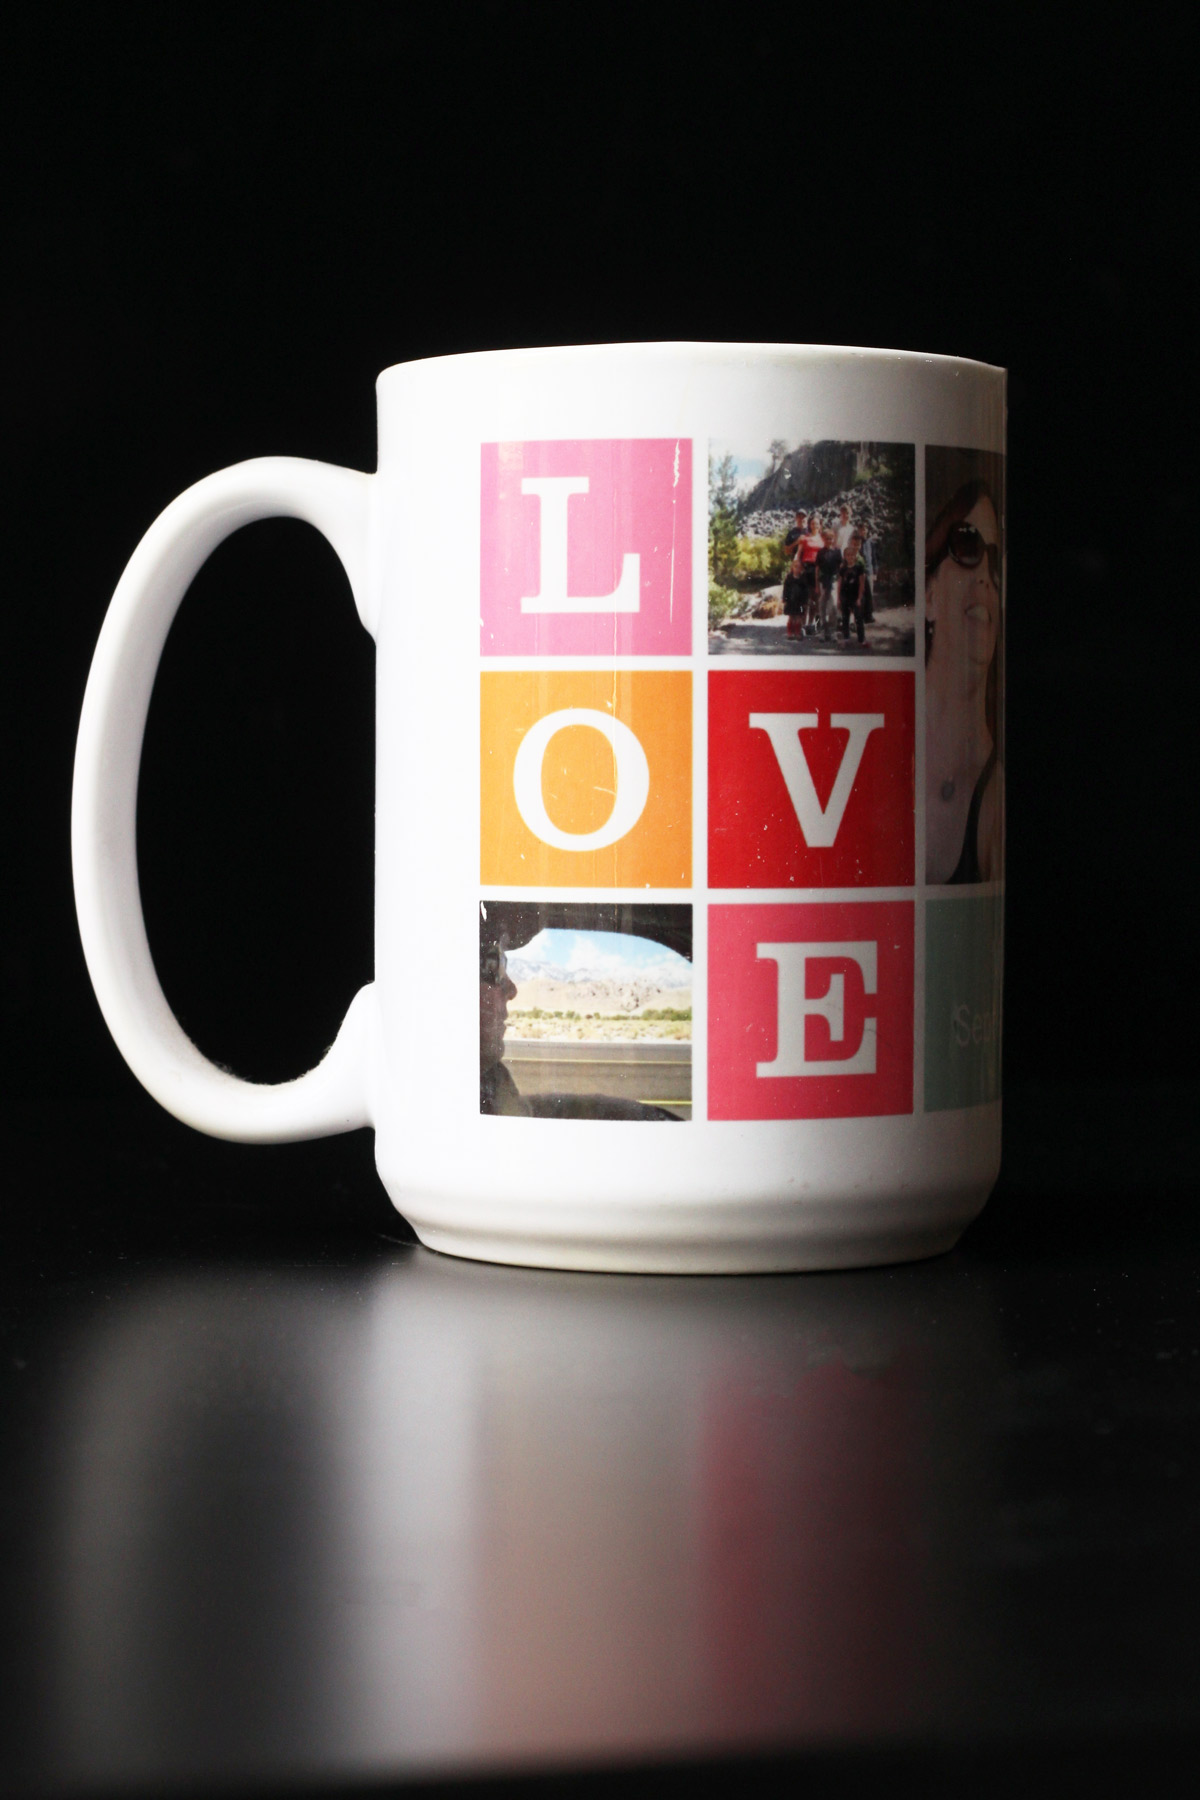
x=964, y=671
x=830, y=577
x=811, y=550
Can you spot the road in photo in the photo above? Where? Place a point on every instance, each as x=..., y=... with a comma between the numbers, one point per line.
x=655, y=1073
x=761, y=630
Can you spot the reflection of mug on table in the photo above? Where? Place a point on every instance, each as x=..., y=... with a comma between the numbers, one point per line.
x=403, y=1518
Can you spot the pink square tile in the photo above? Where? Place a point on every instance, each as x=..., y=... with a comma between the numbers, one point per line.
x=810, y=1010
x=586, y=548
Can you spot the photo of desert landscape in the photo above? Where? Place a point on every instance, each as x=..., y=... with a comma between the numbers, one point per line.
x=599, y=1018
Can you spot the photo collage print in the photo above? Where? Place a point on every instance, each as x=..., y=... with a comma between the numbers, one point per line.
x=840, y=823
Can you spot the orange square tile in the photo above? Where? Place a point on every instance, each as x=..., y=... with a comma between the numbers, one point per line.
x=586, y=778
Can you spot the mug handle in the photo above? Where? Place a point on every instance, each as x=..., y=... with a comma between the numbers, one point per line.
x=336, y=1095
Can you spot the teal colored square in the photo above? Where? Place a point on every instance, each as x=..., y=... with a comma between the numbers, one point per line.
x=964, y=968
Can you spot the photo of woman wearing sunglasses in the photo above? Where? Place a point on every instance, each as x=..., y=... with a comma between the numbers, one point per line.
x=964, y=774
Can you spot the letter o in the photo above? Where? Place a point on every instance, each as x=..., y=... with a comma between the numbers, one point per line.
x=633, y=779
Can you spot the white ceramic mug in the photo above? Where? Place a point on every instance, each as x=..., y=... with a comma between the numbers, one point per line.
x=699, y=756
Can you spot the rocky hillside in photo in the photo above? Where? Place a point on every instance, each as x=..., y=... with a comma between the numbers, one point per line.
x=811, y=474
x=883, y=500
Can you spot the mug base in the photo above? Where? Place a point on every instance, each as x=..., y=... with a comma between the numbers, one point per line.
x=764, y=1201
x=776, y=1257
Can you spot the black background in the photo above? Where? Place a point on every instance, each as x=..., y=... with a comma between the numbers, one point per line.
x=225, y=221
x=220, y=222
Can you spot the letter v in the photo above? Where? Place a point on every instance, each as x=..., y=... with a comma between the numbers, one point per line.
x=820, y=825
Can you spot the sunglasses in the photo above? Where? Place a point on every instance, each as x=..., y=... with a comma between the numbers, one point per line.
x=493, y=964
x=967, y=548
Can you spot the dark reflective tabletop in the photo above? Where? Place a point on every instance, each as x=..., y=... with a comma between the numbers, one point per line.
x=289, y=1499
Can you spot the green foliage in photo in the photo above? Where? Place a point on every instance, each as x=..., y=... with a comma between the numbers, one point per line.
x=759, y=562
x=722, y=518
x=721, y=602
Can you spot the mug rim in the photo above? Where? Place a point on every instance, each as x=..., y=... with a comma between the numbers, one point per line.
x=699, y=350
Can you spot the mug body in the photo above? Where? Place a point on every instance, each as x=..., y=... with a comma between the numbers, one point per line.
x=689, y=803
